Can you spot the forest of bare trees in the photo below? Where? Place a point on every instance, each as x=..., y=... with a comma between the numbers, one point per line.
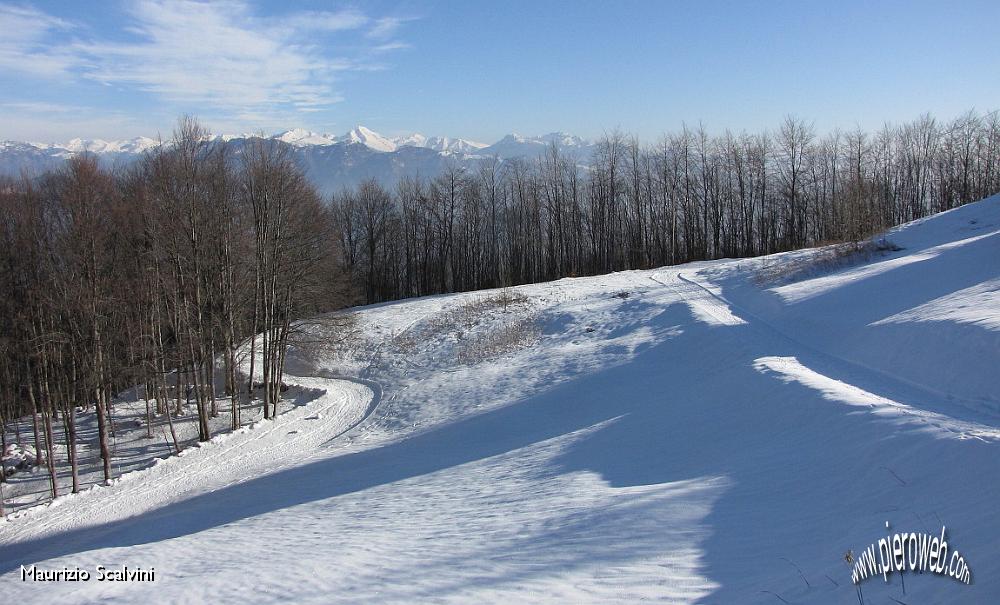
x=690, y=196
x=156, y=276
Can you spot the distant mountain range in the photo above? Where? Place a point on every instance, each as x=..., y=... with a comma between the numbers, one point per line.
x=331, y=161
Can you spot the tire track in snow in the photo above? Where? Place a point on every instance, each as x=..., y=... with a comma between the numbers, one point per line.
x=217, y=464
x=198, y=468
x=706, y=308
x=379, y=414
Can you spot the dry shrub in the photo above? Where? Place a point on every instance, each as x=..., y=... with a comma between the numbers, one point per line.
x=824, y=260
x=330, y=335
x=467, y=315
x=508, y=337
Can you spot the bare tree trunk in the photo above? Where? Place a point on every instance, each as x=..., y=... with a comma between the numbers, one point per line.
x=163, y=372
x=34, y=421
x=102, y=431
x=50, y=450
x=210, y=377
x=149, y=411
x=74, y=463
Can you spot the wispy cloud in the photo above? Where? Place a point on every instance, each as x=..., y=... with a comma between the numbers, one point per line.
x=388, y=46
x=24, y=36
x=385, y=28
x=35, y=122
x=325, y=21
x=41, y=107
x=222, y=57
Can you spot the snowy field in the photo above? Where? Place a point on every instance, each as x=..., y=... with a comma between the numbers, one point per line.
x=719, y=432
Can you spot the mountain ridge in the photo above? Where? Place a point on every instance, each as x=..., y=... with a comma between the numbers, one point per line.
x=301, y=137
x=331, y=161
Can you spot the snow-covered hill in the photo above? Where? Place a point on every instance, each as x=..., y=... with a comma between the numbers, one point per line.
x=719, y=432
x=331, y=161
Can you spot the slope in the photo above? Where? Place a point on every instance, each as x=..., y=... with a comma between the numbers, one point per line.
x=714, y=432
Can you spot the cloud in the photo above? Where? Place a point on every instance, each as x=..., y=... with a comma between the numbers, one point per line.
x=35, y=122
x=386, y=27
x=221, y=55
x=220, y=58
x=23, y=47
x=325, y=21
x=41, y=107
x=391, y=46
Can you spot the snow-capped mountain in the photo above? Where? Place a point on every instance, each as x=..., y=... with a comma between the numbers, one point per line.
x=299, y=137
x=454, y=145
x=442, y=144
x=331, y=161
x=514, y=145
x=302, y=138
x=411, y=140
x=74, y=146
x=368, y=138
x=17, y=158
x=99, y=146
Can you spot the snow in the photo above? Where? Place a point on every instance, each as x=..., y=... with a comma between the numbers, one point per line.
x=373, y=140
x=301, y=138
x=439, y=144
x=687, y=434
x=25, y=154
x=368, y=138
x=411, y=140
x=133, y=146
x=564, y=140
x=789, y=369
x=559, y=138
x=977, y=305
x=17, y=458
x=704, y=305
x=800, y=291
x=454, y=145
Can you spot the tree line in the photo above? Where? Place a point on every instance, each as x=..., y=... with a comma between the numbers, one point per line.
x=690, y=196
x=156, y=276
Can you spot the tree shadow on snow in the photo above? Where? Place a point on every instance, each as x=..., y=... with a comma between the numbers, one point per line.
x=687, y=408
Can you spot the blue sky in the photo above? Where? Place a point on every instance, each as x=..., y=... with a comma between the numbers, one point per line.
x=479, y=70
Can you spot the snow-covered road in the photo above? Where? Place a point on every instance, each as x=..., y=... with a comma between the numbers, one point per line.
x=335, y=407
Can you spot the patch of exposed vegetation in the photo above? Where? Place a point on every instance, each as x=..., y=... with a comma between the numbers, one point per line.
x=489, y=344
x=822, y=261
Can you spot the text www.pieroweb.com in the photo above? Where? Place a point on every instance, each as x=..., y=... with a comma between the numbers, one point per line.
x=911, y=551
